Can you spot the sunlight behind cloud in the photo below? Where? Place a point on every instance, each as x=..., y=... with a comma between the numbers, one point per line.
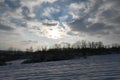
x=54, y=32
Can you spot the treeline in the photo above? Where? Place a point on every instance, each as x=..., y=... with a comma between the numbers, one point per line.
x=10, y=55
x=67, y=51
x=63, y=51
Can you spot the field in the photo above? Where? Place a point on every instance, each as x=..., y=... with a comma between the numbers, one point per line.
x=101, y=67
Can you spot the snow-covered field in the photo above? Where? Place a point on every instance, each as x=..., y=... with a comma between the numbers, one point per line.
x=102, y=67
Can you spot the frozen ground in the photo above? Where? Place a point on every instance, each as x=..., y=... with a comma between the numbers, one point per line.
x=104, y=67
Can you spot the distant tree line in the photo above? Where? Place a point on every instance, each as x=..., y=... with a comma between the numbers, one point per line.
x=67, y=51
x=63, y=51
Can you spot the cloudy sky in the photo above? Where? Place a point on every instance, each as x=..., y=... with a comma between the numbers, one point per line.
x=25, y=23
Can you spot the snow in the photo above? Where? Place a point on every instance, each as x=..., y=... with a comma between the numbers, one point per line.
x=16, y=62
x=102, y=67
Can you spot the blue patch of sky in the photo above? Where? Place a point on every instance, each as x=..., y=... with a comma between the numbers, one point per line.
x=18, y=22
x=13, y=4
x=2, y=11
x=38, y=10
x=61, y=5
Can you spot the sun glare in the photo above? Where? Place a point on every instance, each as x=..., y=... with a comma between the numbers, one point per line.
x=55, y=33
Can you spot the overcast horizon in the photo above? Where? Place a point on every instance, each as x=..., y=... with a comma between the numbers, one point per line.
x=26, y=23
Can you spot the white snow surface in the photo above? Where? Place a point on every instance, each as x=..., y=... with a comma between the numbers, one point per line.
x=102, y=67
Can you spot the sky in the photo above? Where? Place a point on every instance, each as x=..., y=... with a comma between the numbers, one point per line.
x=36, y=23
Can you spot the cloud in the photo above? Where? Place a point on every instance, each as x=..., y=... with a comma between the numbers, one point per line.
x=18, y=22
x=30, y=42
x=100, y=19
x=26, y=12
x=77, y=10
x=5, y=27
x=49, y=23
x=78, y=25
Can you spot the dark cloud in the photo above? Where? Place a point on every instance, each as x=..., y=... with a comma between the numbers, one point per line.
x=49, y=24
x=117, y=32
x=29, y=41
x=5, y=27
x=26, y=12
x=107, y=19
x=78, y=25
x=18, y=22
x=97, y=28
x=110, y=13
